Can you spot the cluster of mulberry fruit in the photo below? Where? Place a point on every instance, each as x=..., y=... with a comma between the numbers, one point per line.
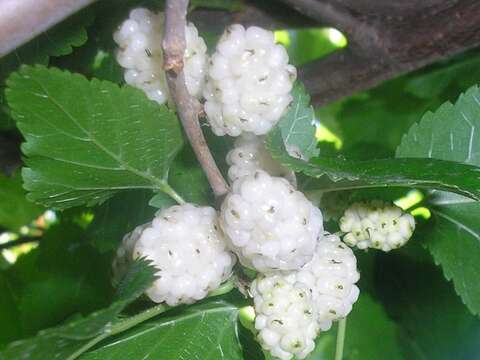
x=306, y=276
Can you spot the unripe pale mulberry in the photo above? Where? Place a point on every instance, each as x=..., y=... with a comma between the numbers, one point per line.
x=376, y=224
x=270, y=225
x=188, y=247
x=249, y=154
x=140, y=41
x=331, y=276
x=248, y=83
x=285, y=316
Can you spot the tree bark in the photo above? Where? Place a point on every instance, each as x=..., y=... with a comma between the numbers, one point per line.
x=267, y=14
x=389, y=40
x=386, y=38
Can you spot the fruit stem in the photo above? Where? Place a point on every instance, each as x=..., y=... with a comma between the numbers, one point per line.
x=125, y=324
x=224, y=288
x=167, y=189
x=342, y=326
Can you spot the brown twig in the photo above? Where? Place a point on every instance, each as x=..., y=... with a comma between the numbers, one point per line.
x=187, y=106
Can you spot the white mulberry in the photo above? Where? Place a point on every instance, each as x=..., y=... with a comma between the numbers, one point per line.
x=249, y=154
x=285, y=316
x=140, y=41
x=331, y=276
x=269, y=224
x=248, y=82
x=376, y=224
x=188, y=247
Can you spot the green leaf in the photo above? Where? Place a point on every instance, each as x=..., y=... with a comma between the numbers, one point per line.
x=6, y=122
x=125, y=211
x=382, y=115
x=219, y=146
x=161, y=201
x=140, y=275
x=440, y=79
x=86, y=140
x=64, y=341
x=380, y=118
x=9, y=313
x=350, y=174
x=454, y=242
x=15, y=209
x=433, y=322
x=106, y=67
x=305, y=45
x=118, y=216
x=246, y=337
x=208, y=330
x=297, y=126
x=449, y=134
x=367, y=323
x=4, y=264
x=376, y=118
x=188, y=179
x=67, y=266
x=72, y=339
x=46, y=301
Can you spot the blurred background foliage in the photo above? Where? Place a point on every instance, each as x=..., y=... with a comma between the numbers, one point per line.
x=407, y=309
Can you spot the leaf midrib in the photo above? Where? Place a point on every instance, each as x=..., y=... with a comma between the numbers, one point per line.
x=456, y=223
x=160, y=182
x=294, y=122
x=448, y=274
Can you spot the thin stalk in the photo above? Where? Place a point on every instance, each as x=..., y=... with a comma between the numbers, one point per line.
x=167, y=189
x=128, y=323
x=342, y=326
x=226, y=287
